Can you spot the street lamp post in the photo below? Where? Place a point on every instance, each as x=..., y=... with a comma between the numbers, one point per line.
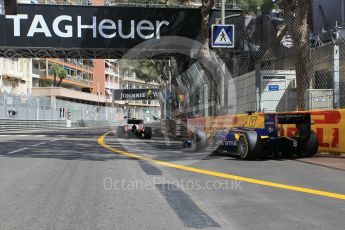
x=224, y=80
x=223, y=12
x=222, y=89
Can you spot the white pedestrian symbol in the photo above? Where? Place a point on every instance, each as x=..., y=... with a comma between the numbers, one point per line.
x=222, y=38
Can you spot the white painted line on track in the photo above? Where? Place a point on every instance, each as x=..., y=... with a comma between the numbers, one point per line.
x=41, y=143
x=18, y=150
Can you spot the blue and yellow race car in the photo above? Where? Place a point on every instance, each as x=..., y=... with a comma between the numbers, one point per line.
x=265, y=134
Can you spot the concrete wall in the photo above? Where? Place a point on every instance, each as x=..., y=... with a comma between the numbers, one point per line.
x=66, y=93
x=245, y=92
x=277, y=91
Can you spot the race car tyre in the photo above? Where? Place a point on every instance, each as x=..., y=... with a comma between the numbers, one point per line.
x=311, y=145
x=249, y=145
x=198, y=140
x=120, y=131
x=147, y=133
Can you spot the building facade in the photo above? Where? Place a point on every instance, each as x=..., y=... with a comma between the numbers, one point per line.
x=112, y=75
x=85, y=81
x=83, y=84
x=16, y=76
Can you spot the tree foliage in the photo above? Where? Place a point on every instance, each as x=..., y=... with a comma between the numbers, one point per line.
x=251, y=6
x=60, y=72
x=55, y=69
x=62, y=75
x=152, y=70
x=296, y=16
x=265, y=6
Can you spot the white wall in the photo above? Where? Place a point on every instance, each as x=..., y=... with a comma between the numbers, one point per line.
x=279, y=98
x=245, y=92
x=277, y=94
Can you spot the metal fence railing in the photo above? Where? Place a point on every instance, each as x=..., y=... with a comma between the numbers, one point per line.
x=40, y=108
x=270, y=74
x=14, y=125
x=265, y=73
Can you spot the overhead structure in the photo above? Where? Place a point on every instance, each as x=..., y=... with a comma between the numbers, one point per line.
x=92, y=32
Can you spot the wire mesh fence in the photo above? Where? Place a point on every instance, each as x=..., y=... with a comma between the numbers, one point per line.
x=41, y=108
x=277, y=72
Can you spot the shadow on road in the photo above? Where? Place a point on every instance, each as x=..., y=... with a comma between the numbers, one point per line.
x=233, y=157
x=82, y=145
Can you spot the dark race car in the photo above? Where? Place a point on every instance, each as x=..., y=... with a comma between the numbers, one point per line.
x=270, y=139
x=134, y=128
x=271, y=134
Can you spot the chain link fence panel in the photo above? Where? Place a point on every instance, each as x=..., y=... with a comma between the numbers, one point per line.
x=40, y=108
x=265, y=74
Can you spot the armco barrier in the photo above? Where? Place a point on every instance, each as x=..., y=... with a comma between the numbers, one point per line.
x=13, y=124
x=330, y=129
x=329, y=125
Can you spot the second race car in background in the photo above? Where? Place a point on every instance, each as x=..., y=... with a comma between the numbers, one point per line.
x=134, y=128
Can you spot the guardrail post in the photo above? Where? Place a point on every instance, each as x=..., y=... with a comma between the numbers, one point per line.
x=5, y=105
x=336, y=93
x=258, y=87
x=206, y=99
x=38, y=109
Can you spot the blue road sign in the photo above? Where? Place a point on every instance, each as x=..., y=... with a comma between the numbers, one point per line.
x=273, y=88
x=223, y=36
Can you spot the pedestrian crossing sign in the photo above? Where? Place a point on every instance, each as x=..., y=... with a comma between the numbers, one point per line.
x=223, y=36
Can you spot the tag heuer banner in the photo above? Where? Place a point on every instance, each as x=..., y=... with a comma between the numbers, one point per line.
x=67, y=27
x=135, y=94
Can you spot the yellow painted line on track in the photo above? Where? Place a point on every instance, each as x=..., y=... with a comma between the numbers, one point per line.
x=101, y=142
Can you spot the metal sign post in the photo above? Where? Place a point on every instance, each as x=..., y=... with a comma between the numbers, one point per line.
x=336, y=78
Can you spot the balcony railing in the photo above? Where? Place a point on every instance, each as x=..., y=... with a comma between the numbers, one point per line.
x=10, y=70
x=69, y=78
x=110, y=71
x=111, y=85
x=80, y=80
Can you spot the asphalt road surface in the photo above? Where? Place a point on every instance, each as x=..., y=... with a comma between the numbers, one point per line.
x=67, y=180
